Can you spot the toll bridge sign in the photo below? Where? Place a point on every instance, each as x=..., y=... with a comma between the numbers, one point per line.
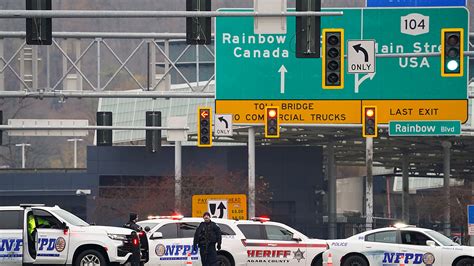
x=256, y=70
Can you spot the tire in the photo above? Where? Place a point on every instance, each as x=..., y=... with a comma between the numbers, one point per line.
x=90, y=255
x=318, y=261
x=223, y=260
x=465, y=262
x=355, y=261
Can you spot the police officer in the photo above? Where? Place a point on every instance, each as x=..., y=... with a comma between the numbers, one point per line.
x=207, y=235
x=132, y=222
x=136, y=256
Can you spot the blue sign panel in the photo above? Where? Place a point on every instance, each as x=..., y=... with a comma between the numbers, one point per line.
x=411, y=3
x=470, y=214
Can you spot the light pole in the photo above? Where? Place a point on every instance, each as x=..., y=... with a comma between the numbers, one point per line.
x=75, y=140
x=23, y=150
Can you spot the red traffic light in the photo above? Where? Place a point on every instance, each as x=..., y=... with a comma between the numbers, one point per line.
x=369, y=112
x=272, y=113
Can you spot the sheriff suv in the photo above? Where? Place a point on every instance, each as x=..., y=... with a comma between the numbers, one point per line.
x=35, y=234
x=255, y=242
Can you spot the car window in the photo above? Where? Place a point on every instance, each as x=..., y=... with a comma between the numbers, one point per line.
x=169, y=230
x=251, y=231
x=187, y=230
x=46, y=220
x=414, y=238
x=145, y=224
x=383, y=237
x=226, y=230
x=11, y=219
x=278, y=233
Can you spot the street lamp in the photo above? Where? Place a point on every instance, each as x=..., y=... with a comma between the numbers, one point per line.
x=75, y=140
x=23, y=150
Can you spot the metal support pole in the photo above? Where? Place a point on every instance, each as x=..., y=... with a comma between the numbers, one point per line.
x=332, y=217
x=153, y=80
x=23, y=153
x=447, y=193
x=34, y=66
x=369, y=182
x=178, y=175
x=75, y=140
x=167, y=66
x=77, y=48
x=405, y=190
x=48, y=67
x=64, y=46
x=251, y=147
x=98, y=40
x=197, y=63
x=148, y=76
x=2, y=64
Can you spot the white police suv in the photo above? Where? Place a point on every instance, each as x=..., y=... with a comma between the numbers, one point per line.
x=399, y=245
x=35, y=234
x=254, y=242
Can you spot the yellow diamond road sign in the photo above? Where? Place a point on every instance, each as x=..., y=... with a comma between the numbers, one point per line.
x=227, y=206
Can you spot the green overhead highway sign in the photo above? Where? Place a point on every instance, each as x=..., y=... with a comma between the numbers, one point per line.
x=424, y=128
x=256, y=69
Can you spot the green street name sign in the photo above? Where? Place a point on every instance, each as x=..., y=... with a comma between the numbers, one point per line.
x=424, y=128
x=253, y=66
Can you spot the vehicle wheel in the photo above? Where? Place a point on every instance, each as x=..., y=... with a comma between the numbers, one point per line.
x=90, y=258
x=465, y=262
x=318, y=261
x=223, y=261
x=355, y=261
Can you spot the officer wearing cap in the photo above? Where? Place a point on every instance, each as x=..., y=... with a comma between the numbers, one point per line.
x=207, y=235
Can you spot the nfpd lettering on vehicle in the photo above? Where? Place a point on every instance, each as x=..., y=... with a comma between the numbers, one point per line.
x=177, y=252
x=395, y=257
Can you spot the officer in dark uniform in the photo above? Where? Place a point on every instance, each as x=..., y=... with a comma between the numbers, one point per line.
x=207, y=235
x=132, y=223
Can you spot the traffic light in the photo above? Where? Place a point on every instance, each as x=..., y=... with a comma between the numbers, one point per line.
x=333, y=59
x=104, y=136
x=204, y=127
x=308, y=30
x=272, y=122
x=452, y=52
x=198, y=29
x=369, y=127
x=39, y=30
x=153, y=137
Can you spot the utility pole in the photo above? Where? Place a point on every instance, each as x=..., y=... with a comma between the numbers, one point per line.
x=75, y=140
x=23, y=155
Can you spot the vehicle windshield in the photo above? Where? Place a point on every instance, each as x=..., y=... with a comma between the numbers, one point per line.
x=445, y=241
x=70, y=218
x=145, y=224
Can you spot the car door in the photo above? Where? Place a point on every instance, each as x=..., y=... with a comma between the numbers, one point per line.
x=186, y=232
x=381, y=247
x=163, y=243
x=283, y=248
x=30, y=237
x=53, y=238
x=415, y=250
x=11, y=229
x=255, y=244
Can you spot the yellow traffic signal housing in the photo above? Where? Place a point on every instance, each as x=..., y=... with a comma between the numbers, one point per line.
x=452, y=52
x=369, y=122
x=204, y=127
x=272, y=122
x=333, y=59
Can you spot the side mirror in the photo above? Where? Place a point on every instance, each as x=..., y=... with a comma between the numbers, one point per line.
x=156, y=235
x=430, y=243
x=297, y=237
x=147, y=229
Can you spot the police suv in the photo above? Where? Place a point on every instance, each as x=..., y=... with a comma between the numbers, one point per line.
x=35, y=234
x=254, y=242
x=398, y=245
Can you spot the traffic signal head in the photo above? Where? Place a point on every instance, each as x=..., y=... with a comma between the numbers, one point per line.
x=369, y=127
x=198, y=29
x=333, y=59
x=452, y=52
x=204, y=127
x=272, y=123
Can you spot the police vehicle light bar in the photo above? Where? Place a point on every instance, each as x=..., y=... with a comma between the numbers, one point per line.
x=261, y=219
x=171, y=217
x=402, y=225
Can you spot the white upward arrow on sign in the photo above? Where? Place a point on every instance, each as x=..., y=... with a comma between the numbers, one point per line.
x=282, y=72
